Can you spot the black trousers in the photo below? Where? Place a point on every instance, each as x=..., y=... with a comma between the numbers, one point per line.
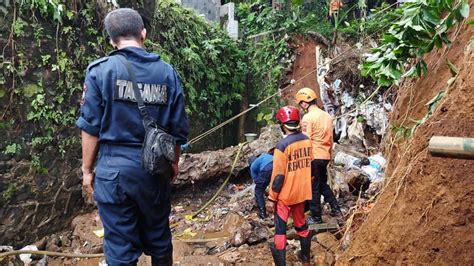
x=320, y=187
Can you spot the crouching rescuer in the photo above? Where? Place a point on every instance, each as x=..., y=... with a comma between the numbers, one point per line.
x=261, y=172
x=290, y=184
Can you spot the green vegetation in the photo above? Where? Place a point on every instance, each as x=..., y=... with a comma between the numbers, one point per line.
x=49, y=45
x=8, y=193
x=211, y=64
x=267, y=37
x=13, y=148
x=374, y=24
x=423, y=26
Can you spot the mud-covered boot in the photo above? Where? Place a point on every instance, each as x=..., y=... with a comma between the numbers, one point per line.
x=304, y=255
x=279, y=255
x=314, y=220
x=262, y=213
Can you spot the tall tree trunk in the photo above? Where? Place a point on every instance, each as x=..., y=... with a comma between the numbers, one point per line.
x=243, y=106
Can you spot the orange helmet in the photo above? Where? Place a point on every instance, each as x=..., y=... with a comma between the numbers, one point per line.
x=305, y=95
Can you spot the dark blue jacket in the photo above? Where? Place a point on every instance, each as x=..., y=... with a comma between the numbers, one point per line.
x=108, y=107
x=261, y=168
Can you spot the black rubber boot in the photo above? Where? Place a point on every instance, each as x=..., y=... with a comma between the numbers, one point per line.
x=315, y=220
x=304, y=254
x=279, y=255
x=163, y=261
x=262, y=213
x=335, y=211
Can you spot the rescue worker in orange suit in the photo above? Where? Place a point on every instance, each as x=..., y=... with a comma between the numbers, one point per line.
x=334, y=8
x=317, y=125
x=290, y=185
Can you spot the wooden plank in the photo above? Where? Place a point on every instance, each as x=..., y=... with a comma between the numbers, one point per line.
x=324, y=227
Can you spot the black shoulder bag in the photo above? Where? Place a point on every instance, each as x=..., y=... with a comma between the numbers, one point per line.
x=158, y=152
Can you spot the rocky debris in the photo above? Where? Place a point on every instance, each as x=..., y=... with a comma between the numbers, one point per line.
x=328, y=241
x=241, y=235
x=83, y=239
x=233, y=256
x=229, y=229
x=324, y=258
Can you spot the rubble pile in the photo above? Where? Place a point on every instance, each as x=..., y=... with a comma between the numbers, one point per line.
x=229, y=230
x=207, y=165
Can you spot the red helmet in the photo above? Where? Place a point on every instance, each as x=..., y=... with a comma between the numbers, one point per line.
x=287, y=114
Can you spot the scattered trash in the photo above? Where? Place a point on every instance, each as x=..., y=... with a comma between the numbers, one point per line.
x=358, y=173
x=6, y=248
x=187, y=233
x=26, y=258
x=99, y=233
x=375, y=117
x=346, y=160
x=375, y=169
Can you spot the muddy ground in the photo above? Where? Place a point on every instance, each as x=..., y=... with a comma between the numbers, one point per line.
x=229, y=231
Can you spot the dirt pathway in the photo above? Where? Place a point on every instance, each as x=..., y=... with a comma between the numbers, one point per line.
x=305, y=62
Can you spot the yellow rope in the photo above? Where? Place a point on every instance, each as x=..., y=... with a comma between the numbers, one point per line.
x=241, y=145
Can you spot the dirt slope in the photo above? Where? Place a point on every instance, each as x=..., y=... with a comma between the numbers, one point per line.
x=425, y=215
x=303, y=69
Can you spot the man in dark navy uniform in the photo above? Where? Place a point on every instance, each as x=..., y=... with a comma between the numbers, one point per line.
x=133, y=205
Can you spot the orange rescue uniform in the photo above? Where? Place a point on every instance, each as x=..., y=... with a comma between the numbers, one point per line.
x=335, y=5
x=291, y=176
x=317, y=125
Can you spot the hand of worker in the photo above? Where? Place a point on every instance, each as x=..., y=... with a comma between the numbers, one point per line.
x=270, y=206
x=175, y=172
x=88, y=184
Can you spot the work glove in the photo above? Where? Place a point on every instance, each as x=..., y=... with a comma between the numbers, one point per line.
x=184, y=148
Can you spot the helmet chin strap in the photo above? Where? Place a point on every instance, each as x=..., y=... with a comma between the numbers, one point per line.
x=305, y=109
x=290, y=127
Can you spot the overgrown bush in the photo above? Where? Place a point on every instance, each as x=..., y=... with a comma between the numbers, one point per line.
x=422, y=26
x=211, y=64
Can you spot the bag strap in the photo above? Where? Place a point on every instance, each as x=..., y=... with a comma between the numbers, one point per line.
x=136, y=91
x=147, y=120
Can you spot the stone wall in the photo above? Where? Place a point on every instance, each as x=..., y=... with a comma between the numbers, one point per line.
x=209, y=8
x=34, y=203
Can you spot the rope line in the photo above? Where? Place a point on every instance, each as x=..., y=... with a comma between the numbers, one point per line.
x=236, y=159
x=50, y=253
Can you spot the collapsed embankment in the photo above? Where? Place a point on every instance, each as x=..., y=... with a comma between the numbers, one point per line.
x=424, y=215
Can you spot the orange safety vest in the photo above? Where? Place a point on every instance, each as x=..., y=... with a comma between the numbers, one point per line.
x=291, y=175
x=317, y=125
x=335, y=6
